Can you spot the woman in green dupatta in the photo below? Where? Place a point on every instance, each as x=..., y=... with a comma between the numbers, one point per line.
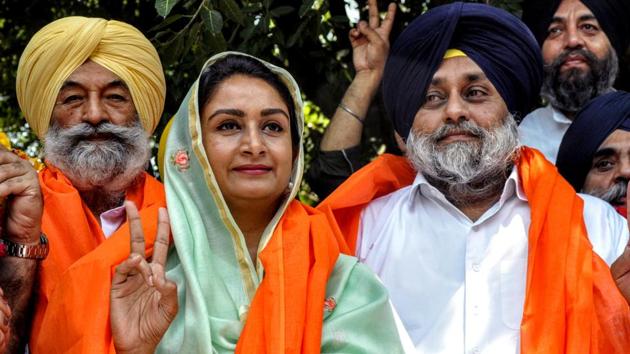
x=256, y=271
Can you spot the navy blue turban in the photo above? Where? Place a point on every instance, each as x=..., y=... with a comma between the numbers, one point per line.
x=497, y=41
x=613, y=16
x=591, y=126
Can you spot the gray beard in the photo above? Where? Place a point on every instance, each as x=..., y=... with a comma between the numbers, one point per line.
x=613, y=194
x=571, y=90
x=110, y=165
x=466, y=172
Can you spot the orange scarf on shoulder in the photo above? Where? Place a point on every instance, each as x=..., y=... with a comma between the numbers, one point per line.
x=572, y=304
x=287, y=311
x=72, y=309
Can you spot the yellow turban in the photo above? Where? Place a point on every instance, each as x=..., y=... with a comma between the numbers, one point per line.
x=59, y=48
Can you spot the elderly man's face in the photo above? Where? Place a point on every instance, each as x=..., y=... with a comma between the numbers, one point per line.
x=580, y=62
x=463, y=139
x=95, y=136
x=93, y=94
x=460, y=91
x=610, y=171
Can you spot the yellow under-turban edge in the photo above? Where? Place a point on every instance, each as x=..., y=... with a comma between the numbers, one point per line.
x=162, y=147
x=453, y=53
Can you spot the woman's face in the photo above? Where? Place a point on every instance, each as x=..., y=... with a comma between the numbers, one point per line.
x=247, y=138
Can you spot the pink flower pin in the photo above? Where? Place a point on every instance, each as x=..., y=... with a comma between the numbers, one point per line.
x=180, y=160
x=329, y=304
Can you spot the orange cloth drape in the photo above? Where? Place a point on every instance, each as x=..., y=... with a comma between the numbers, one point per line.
x=72, y=309
x=572, y=304
x=286, y=314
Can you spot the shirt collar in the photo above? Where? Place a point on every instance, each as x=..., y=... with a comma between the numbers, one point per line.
x=558, y=116
x=513, y=186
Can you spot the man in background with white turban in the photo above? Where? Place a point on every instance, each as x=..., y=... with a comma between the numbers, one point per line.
x=93, y=90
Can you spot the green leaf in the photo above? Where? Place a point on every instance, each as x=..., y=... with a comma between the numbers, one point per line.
x=191, y=39
x=216, y=43
x=232, y=11
x=298, y=33
x=171, y=51
x=212, y=20
x=168, y=21
x=282, y=10
x=306, y=5
x=164, y=7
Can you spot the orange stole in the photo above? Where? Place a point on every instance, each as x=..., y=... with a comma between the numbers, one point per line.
x=286, y=313
x=72, y=309
x=572, y=304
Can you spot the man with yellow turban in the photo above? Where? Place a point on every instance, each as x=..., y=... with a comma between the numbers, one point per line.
x=93, y=90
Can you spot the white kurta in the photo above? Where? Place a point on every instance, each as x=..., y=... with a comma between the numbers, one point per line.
x=543, y=129
x=458, y=285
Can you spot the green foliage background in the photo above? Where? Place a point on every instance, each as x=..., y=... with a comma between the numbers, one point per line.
x=308, y=37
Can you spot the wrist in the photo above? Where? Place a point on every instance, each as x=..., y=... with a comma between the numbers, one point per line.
x=35, y=251
x=367, y=80
x=29, y=238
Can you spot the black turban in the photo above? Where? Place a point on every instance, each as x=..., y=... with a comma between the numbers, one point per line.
x=497, y=41
x=613, y=16
x=592, y=125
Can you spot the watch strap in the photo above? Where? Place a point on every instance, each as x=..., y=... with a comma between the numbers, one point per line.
x=20, y=250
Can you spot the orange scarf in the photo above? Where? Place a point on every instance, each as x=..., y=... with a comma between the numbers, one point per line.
x=572, y=304
x=72, y=309
x=286, y=314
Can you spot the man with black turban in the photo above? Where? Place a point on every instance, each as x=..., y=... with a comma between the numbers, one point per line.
x=582, y=43
x=594, y=155
x=93, y=90
x=483, y=247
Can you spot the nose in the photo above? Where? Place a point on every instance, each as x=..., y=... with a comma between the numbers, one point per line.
x=456, y=109
x=253, y=142
x=623, y=173
x=573, y=39
x=95, y=111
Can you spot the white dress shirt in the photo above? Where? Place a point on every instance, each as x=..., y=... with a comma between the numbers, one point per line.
x=459, y=285
x=543, y=129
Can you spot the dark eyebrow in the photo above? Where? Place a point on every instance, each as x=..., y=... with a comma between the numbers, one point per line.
x=271, y=111
x=228, y=111
x=605, y=152
x=69, y=84
x=111, y=84
x=118, y=83
x=476, y=77
x=587, y=17
x=436, y=81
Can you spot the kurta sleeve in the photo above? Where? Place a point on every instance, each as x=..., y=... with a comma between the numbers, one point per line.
x=358, y=317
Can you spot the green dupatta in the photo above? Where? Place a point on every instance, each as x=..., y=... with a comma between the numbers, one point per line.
x=210, y=263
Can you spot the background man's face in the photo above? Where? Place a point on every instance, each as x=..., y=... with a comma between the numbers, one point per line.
x=610, y=170
x=580, y=63
x=574, y=26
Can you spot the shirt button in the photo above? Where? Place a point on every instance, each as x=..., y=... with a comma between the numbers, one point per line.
x=475, y=267
x=476, y=310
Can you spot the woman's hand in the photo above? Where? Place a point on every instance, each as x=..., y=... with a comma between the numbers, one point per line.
x=143, y=302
